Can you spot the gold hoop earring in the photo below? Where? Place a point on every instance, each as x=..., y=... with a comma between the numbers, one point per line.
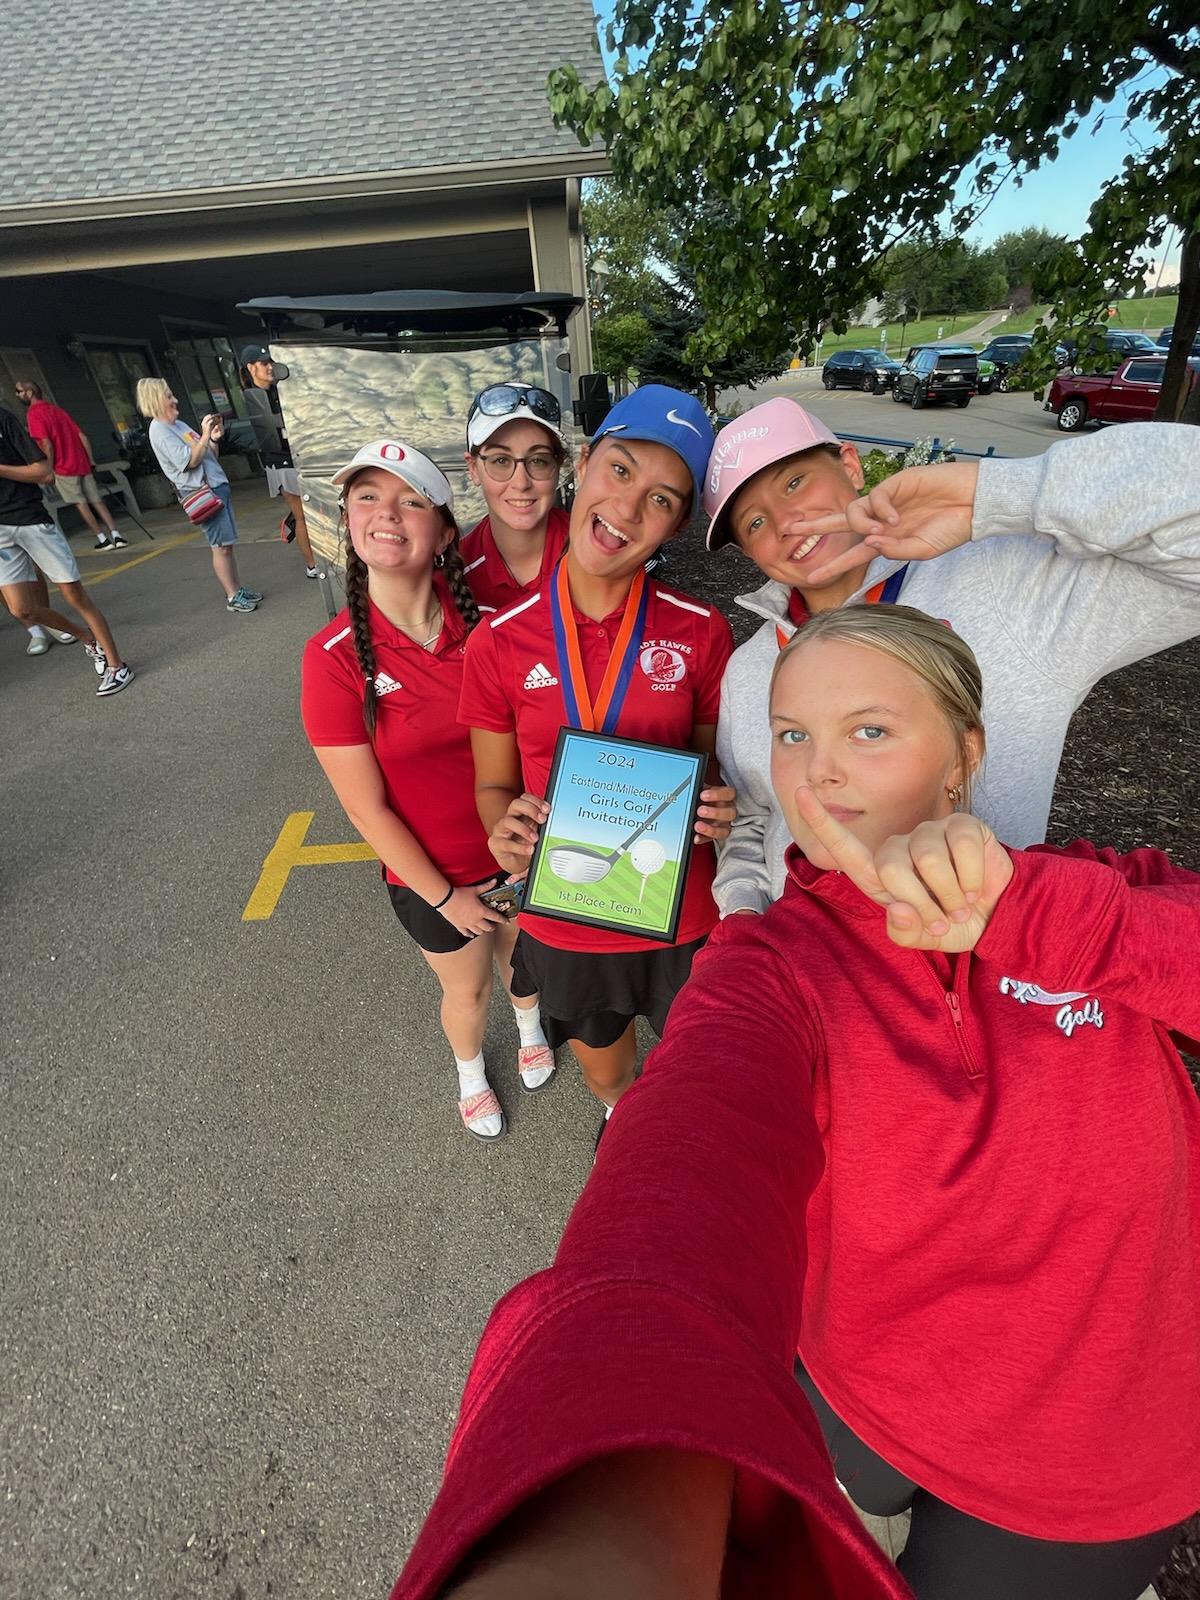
x=439, y=560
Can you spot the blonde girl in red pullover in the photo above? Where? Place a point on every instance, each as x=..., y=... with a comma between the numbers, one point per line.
x=380, y=691
x=940, y=1143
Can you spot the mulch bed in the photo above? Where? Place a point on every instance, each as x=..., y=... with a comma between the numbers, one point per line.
x=1129, y=776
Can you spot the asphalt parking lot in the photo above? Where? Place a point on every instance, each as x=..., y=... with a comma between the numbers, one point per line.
x=248, y=1248
x=1014, y=424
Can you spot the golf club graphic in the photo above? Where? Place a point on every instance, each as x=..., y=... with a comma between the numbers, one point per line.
x=576, y=863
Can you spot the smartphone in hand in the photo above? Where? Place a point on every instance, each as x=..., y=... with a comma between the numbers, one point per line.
x=504, y=898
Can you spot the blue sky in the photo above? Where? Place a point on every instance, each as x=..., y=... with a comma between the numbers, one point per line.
x=1059, y=194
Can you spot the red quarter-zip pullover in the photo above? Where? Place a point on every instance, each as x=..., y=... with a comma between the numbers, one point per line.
x=967, y=1189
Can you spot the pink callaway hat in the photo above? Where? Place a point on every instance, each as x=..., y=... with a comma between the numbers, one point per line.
x=405, y=463
x=770, y=432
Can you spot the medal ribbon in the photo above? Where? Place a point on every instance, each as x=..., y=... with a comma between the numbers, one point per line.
x=887, y=590
x=603, y=716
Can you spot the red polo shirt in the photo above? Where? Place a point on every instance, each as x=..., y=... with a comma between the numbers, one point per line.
x=492, y=584
x=423, y=754
x=46, y=421
x=511, y=685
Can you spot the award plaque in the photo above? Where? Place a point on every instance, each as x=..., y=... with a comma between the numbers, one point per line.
x=614, y=851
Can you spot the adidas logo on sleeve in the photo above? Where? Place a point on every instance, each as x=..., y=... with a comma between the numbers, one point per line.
x=541, y=678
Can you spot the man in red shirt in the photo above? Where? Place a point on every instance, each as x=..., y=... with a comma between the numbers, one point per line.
x=66, y=447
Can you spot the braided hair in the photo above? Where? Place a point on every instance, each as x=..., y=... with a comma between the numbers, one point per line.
x=456, y=579
x=360, y=622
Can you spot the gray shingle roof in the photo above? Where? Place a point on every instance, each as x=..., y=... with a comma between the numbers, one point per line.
x=120, y=97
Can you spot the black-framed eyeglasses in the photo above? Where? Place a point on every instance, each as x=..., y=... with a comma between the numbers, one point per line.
x=504, y=398
x=541, y=465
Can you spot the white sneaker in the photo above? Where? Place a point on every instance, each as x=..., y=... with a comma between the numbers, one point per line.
x=311, y=572
x=38, y=645
x=63, y=638
x=115, y=679
x=97, y=659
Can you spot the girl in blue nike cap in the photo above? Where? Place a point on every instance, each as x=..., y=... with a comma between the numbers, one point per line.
x=542, y=664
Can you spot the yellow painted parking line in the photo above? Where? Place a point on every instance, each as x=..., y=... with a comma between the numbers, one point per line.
x=290, y=851
x=91, y=579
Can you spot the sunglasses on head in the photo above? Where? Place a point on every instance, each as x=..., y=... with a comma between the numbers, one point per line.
x=504, y=398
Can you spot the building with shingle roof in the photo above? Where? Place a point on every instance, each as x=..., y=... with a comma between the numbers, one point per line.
x=159, y=165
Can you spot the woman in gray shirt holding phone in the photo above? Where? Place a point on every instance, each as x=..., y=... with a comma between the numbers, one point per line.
x=189, y=459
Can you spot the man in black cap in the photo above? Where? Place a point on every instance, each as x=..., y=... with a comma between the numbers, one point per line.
x=262, y=404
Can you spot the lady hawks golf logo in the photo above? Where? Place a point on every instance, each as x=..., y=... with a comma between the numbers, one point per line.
x=663, y=666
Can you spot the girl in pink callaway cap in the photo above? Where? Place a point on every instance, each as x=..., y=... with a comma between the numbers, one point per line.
x=380, y=691
x=1056, y=570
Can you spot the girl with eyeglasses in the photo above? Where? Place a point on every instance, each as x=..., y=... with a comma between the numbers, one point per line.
x=379, y=693
x=515, y=452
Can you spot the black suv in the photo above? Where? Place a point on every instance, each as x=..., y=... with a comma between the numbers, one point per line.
x=869, y=370
x=1005, y=352
x=937, y=372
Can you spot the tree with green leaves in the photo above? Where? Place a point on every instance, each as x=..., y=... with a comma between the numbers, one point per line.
x=644, y=306
x=1028, y=258
x=811, y=136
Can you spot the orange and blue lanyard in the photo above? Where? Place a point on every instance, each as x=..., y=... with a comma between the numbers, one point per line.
x=887, y=591
x=603, y=716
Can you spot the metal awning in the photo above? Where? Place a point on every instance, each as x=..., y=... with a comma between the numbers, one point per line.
x=413, y=313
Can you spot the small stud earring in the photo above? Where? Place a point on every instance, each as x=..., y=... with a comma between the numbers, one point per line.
x=955, y=795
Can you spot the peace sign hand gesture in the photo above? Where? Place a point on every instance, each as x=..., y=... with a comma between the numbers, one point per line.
x=940, y=883
x=914, y=515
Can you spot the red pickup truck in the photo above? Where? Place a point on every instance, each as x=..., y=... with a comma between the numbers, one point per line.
x=1129, y=394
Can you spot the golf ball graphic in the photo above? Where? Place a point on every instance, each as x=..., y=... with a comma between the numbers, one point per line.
x=647, y=856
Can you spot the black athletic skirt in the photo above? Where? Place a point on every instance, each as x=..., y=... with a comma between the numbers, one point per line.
x=594, y=997
x=426, y=926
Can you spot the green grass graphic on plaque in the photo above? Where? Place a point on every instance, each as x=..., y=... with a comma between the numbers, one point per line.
x=618, y=891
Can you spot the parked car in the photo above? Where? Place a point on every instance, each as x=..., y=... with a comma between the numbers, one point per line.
x=870, y=370
x=1165, y=337
x=937, y=372
x=1118, y=343
x=1009, y=350
x=1130, y=394
x=987, y=375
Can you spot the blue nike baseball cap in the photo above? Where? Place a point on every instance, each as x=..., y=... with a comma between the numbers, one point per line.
x=665, y=416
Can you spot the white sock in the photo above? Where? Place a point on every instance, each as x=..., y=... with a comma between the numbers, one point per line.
x=529, y=1025
x=37, y=631
x=472, y=1079
x=472, y=1076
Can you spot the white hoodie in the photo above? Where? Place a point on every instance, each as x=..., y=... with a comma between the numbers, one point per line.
x=1080, y=561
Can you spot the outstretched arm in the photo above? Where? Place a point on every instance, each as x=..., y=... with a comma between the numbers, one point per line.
x=667, y=1325
x=1132, y=493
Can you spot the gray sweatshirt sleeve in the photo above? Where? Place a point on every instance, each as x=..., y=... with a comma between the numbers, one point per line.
x=1102, y=566
x=1131, y=492
x=743, y=880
